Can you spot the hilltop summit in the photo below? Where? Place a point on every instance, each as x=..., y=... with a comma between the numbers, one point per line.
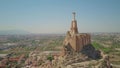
x=78, y=52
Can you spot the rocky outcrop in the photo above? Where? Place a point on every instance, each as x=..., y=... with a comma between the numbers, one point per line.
x=91, y=52
x=78, y=52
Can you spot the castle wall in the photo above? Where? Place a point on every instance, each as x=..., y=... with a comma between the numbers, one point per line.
x=79, y=43
x=73, y=42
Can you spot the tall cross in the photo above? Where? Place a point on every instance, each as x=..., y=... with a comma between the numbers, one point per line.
x=73, y=15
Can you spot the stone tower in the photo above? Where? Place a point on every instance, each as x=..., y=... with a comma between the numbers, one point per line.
x=74, y=29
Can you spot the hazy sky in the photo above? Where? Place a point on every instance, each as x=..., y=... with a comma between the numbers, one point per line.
x=54, y=16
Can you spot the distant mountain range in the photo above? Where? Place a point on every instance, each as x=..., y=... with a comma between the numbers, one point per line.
x=13, y=32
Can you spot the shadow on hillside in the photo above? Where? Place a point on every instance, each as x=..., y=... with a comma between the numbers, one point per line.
x=91, y=52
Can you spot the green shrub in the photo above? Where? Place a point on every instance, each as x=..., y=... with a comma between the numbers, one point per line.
x=50, y=58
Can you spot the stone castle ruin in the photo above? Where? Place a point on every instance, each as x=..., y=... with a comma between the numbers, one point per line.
x=76, y=42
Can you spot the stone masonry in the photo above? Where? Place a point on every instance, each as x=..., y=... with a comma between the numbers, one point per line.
x=74, y=39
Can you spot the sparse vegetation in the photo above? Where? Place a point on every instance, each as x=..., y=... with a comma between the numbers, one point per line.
x=108, y=43
x=50, y=58
x=100, y=47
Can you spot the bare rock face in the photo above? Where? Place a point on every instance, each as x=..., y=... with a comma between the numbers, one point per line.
x=107, y=62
